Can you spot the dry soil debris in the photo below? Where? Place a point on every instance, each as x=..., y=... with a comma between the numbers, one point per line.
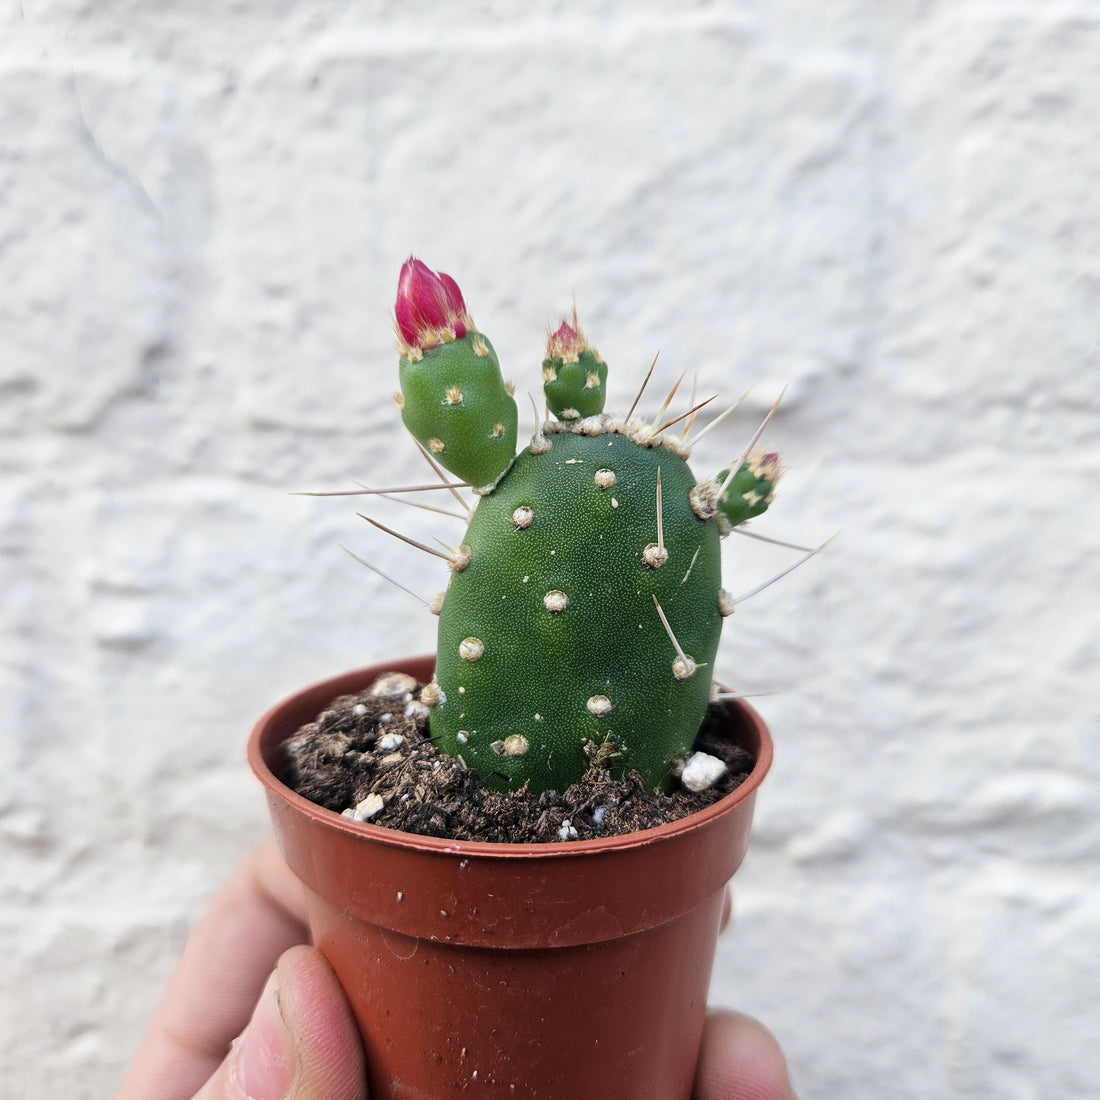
x=376, y=745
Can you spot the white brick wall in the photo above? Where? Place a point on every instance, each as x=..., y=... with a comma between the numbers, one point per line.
x=203, y=208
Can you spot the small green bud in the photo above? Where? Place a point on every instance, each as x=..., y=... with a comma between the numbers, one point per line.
x=748, y=492
x=574, y=375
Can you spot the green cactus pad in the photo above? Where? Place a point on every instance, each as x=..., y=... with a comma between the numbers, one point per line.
x=457, y=405
x=575, y=389
x=748, y=492
x=550, y=637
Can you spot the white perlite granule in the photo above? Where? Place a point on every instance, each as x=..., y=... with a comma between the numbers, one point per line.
x=702, y=771
x=366, y=809
x=393, y=683
x=600, y=812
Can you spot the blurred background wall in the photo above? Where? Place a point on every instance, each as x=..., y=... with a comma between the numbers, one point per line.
x=890, y=207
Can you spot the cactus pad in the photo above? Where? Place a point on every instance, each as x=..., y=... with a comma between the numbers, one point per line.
x=574, y=376
x=576, y=389
x=456, y=404
x=550, y=637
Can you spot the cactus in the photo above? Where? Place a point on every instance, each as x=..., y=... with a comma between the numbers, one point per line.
x=584, y=607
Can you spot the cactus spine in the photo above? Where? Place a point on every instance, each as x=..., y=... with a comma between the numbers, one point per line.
x=584, y=618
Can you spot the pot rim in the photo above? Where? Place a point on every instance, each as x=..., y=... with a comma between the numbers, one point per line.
x=261, y=742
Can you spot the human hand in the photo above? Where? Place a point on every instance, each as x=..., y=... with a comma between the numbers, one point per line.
x=247, y=971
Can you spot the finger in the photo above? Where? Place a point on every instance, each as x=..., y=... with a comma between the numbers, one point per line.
x=740, y=1060
x=301, y=1043
x=727, y=910
x=256, y=916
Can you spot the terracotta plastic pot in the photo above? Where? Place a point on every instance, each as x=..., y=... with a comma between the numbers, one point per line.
x=548, y=971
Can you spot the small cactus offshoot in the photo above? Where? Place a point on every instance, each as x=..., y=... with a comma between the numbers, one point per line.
x=747, y=492
x=574, y=375
x=584, y=604
x=453, y=398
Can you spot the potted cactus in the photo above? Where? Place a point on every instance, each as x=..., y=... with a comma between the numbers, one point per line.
x=579, y=625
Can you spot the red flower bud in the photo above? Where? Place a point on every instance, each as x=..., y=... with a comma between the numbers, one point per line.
x=567, y=342
x=430, y=307
x=454, y=295
x=765, y=466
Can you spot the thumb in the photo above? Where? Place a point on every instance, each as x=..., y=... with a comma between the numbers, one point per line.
x=302, y=1042
x=740, y=1060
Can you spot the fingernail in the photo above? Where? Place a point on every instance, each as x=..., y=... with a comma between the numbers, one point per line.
x=266, y=1063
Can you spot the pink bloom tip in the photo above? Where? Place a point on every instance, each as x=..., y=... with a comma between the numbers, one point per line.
x=430, y=308
x=567, y=341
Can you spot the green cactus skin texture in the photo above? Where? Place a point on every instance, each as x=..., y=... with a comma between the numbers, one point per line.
x=748, y=492
x=550, y=636
x=456, y=404
x=576, y=389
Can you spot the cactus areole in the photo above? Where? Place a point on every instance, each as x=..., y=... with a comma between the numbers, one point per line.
x=585, y=604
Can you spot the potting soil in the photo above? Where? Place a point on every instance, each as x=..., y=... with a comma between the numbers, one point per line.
x=370, y=756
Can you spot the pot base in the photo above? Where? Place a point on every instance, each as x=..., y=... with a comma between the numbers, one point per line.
x=620, y=1018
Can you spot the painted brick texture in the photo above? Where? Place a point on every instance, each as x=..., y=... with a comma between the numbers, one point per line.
x=203, y=209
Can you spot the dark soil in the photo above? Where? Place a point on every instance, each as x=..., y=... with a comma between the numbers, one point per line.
x=347, y=760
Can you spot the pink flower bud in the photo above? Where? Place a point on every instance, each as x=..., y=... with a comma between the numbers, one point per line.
x=567, y=342
x=765, y=466
x=429, y=307
x=454, y=295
